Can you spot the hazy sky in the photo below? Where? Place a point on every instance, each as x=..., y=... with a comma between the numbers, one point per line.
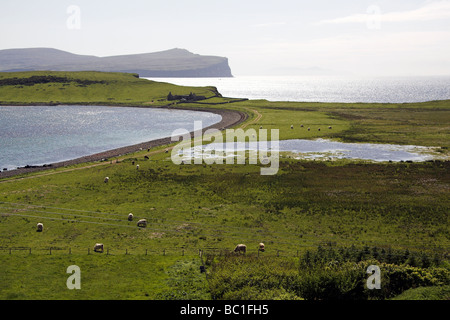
x=396, y=37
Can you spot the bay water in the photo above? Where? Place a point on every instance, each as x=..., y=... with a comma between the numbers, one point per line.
x=38, y=135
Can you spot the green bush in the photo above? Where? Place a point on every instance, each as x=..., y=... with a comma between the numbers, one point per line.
x=320, y=275
x=333, y=282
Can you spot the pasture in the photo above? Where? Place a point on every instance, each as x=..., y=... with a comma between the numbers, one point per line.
x=307, y=205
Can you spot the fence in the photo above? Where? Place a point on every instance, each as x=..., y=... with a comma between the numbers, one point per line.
x=142, y=251
x=187, y=251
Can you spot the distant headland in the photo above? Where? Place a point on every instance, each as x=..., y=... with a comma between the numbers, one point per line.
x=170, y=63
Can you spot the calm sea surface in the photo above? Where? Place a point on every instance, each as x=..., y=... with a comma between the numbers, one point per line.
x=41, y=135
x=327, y=88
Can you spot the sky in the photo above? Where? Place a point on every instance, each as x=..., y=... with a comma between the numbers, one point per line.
x=374, y=38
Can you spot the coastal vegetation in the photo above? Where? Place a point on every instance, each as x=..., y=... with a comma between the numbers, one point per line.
x=322, y=222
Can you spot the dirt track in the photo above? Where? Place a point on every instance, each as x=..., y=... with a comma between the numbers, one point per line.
x=229, y=119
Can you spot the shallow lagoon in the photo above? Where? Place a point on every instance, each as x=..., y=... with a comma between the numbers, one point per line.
x=322, y=149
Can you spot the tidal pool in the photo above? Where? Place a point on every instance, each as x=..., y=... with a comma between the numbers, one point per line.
x=321, y=149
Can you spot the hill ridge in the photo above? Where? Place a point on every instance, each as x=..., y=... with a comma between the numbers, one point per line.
x=174, y=62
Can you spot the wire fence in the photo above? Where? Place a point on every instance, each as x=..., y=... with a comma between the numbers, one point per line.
x=142, y=251
x=173, y=226
x=292, y=244
x=200, y=252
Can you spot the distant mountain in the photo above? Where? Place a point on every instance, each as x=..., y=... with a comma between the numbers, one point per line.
x=169, y=63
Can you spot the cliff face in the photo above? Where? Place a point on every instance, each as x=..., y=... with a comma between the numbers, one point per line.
x=216, y=70
x=170, y=63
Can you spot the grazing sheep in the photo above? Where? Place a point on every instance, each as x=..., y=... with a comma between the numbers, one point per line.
x=146, y=157
x=330, y=127
x=292, y=126
x=260, y=127
x=130, y=217
x=106, y=179
x=261, y=247
x=98, y=247
x=142, y=223
x=40, y=227
x=301, y=126
x=318, y=129
x=309, y=129
x=240, y=248
x=137, y=167
x=166, y=151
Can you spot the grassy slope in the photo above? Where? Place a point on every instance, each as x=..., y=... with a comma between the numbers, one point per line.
x=118, y=89
x=424, y=124
x=401, y=205
x=107, y=277
x=426, y=293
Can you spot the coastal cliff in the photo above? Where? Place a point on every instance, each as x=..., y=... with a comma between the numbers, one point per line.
x=169, y=63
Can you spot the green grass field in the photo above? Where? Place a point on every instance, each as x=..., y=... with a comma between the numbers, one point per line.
x=305, y=206
x=105, y=88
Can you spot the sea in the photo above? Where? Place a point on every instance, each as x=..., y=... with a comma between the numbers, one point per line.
x=348, y=89
x=39, y=135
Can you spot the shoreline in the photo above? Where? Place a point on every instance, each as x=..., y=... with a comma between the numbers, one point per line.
x=229, y=118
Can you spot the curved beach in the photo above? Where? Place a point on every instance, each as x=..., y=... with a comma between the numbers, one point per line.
x=229, y=118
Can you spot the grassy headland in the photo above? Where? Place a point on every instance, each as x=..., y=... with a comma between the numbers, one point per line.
x=359, y=212
x=90, y=88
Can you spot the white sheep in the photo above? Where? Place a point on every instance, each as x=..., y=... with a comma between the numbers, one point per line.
x=98, y=247
x=142, y=223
